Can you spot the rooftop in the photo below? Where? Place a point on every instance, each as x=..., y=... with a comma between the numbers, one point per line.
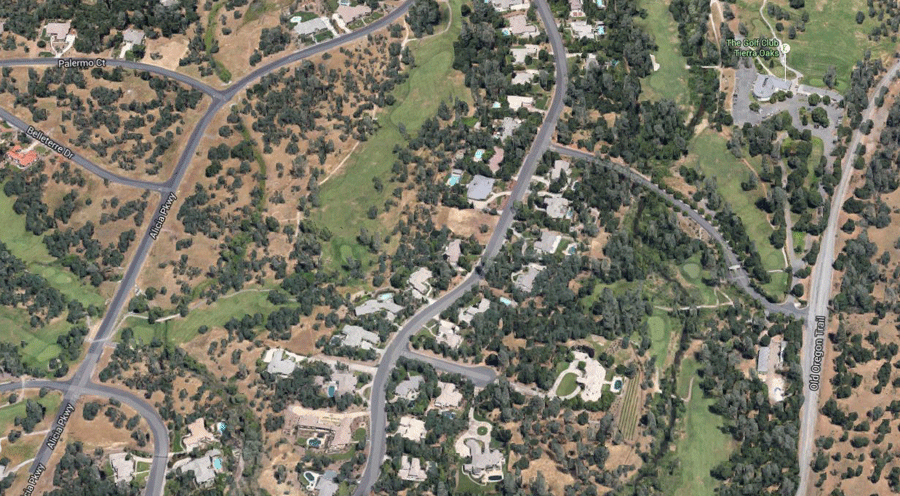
x=312, y=26
x=203, y=469
x=557, y=207
x=357, y=337
x=281, y=364
x=480, y=187
x=133, y=36
x=409, y=388
x=525, y=280
x=412, y=428
x=548, y=243
x=419, y=282
x=376, y=305
x=350, y=14
x=411, y=469
x=765, y=86
x=519, y=26
x=449, y=397
x=520, y=53
x=762, y=360
x=22, y=159
x=452, y=252
x=57, y=31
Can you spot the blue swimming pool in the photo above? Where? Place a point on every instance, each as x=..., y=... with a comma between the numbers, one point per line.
x=331, y=391
x=506, y=301
x=478, y=154
x=453, y=180
x=217, y=463
x=309, y=476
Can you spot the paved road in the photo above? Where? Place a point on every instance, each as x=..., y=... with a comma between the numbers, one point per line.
x=138, y=66
x=85, y=163
x=80, y=383
x=738, y=276
x=820, y=294
x=157, y=427
x=480, y=375
x=398, y=344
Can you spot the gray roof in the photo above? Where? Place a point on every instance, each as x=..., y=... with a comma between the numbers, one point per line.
x=376, y=305
x=525, y=280
x=480, y=187
x=326, y=485
x=133, y=36
x=311, y=26
x=548, y=243
x=202, y=467
x=409, y=388
x=762, y=360
x=281, y=365
x=357, y=336
x=765, y=86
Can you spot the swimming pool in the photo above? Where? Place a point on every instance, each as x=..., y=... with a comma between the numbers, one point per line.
x=506, y=301
x=309, y=476
x=478, y=154
x=217, y=463
x=313, y=442
x=331, y=390
x=453, y=180
x=506, y=32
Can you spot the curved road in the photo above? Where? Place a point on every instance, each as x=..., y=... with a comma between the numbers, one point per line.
x=398, y=345
x=80, y=383
x=740, y=276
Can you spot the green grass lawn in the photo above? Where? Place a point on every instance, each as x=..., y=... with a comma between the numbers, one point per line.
x=182, y=330
x=661, y=326
x=710, y=156
x=347, y=197
x=8, y=413
x=703, y=445
x=567, y=385
x=466, y=485
x=670, y=81
x=832, y=37
x=693, y=274
x=691, y=271
x=31, y=250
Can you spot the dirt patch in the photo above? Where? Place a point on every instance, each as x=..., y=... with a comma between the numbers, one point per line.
x=465, y=223
x=557, y=480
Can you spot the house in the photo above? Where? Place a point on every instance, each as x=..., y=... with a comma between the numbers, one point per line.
x=22, y=159
x=412, y=428
x=123, y=467
x=548, y=243
x=524, y=281
x=57, y=31
x=519, y=26
x=765, y=86
x=312, y=26
x=349, y=14
x=340, y=383
x=205, y=467
x=762, y=360
x=523, y=77
x=467, y=314
x=508, y=5
x=581, y=29
x=519, y=54
x=2, y=26
x=339, y=426
x=326, y=486
x=357, y=337
x=453, y=251
x=496, y=160
x=517, y=102
x=419, y=282
x=376, y=305
x=199, y=435
x=280, y=364
x=479, y=188
x=507, y=127
x=409, y=388
x=447, y=334
x=576, y=9
x=560, y=166
x=487, y=464
x=449, y=398
x=133, y=36
x=411, y=469
x=557, y=207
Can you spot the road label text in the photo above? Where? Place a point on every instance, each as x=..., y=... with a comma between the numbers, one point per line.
x=815, y=370
x=44, y=139
x=80, y=63
x=60, y=426
x=33, y=479
x=163, y=213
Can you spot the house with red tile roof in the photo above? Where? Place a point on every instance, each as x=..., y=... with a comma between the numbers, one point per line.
x=22, y=159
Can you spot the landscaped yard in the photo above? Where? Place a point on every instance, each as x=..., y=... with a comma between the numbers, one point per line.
x=702, y=445
x=8, y=413
x=670, y=81
x=567, y=385
x=347, y=197
x=709, y=155
x=832, y=37
x=182, y=330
